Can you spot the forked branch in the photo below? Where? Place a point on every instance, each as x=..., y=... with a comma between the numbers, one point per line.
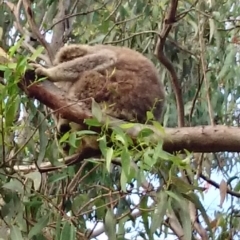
x=159, y=52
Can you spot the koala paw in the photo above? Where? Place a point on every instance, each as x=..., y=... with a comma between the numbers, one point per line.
x=34, y=65
x=39, y=69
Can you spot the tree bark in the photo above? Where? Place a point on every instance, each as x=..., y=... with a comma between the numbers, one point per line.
x=197, y=139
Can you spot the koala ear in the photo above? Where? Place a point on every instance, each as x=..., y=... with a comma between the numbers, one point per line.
x=71, y=52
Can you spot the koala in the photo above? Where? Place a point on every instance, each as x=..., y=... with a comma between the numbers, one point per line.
x=123, y=81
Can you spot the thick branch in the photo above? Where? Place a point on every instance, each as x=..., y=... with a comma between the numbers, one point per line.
x=48, y=94
x=197, y=139
x=159, y=52
x=61, y=27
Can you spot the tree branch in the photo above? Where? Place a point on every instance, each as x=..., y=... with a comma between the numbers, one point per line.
x=35, y=29
x=159, y=52
x=197, y=139
x=60, y=28
x=216, y=185
x=15, y=9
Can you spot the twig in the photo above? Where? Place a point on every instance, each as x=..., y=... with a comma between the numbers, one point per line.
x=184, y=13
x=216, y=185
x=183, y=49
x=195, y=99
x=134, y=35
x=204, y=69
x=159, y=52
x=15, y=10
x=119, y=23
x=35, y=29
x=46, y=166
x=74, y=15
x=198, y=227
x=114, y=10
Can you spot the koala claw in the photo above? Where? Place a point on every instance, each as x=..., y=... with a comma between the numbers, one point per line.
x=35, y=65
x=39, y=69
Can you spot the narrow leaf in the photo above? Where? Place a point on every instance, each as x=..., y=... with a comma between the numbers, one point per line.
x=110, y=225
x=109, y=158
x=15, y=233
x=38, y=227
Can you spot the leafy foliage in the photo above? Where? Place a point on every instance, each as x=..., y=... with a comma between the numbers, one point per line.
x=136, y=189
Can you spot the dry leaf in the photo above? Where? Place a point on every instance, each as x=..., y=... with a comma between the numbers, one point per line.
x=223, y=192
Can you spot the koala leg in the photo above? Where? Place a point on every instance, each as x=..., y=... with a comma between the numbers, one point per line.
x=40, y=70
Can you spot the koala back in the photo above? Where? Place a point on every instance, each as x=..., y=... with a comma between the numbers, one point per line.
x=125, y=91
x=128, y=90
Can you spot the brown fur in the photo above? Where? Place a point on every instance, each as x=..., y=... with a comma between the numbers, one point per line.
x=122, y=80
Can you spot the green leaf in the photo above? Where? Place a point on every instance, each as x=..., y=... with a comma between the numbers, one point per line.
x=57, y=177
x=123, y=181
x=127, y=125
x=96, y=110
x=78, y=202
x=12, y=110
x=14, y=185
x=100, y=208
x=145, y=214
x=237, y=187
x=15, y=233
x=121, y=226
x=15, y=47
x=68, y=232
x=119, y=135
x=110, y=225
x=147, y=158
x=195, y=200
x=36, y=53
x=195, y=27
x=92, y=122
x=173, y=195
x=146, y=132
x=58, y=227
x=103, y=145
x=158, y=126
x=157, y=152
x=3, y=68
x=155, y=13
x=72, y=139
x=212, y=28
x=158, y=214
x=38, y=227
x=182, y=186
x=125, y=160
x=183, y=210
x=36, y=177
x=42, y=137
x=65, y=137
x=81, y=133
x=149, y=116
x=109, y=156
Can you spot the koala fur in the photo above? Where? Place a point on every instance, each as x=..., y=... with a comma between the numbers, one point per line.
x=124, y=82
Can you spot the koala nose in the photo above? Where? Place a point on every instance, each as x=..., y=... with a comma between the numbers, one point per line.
x=64, y=128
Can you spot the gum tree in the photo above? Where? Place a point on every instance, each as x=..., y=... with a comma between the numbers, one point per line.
x=153, y=181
